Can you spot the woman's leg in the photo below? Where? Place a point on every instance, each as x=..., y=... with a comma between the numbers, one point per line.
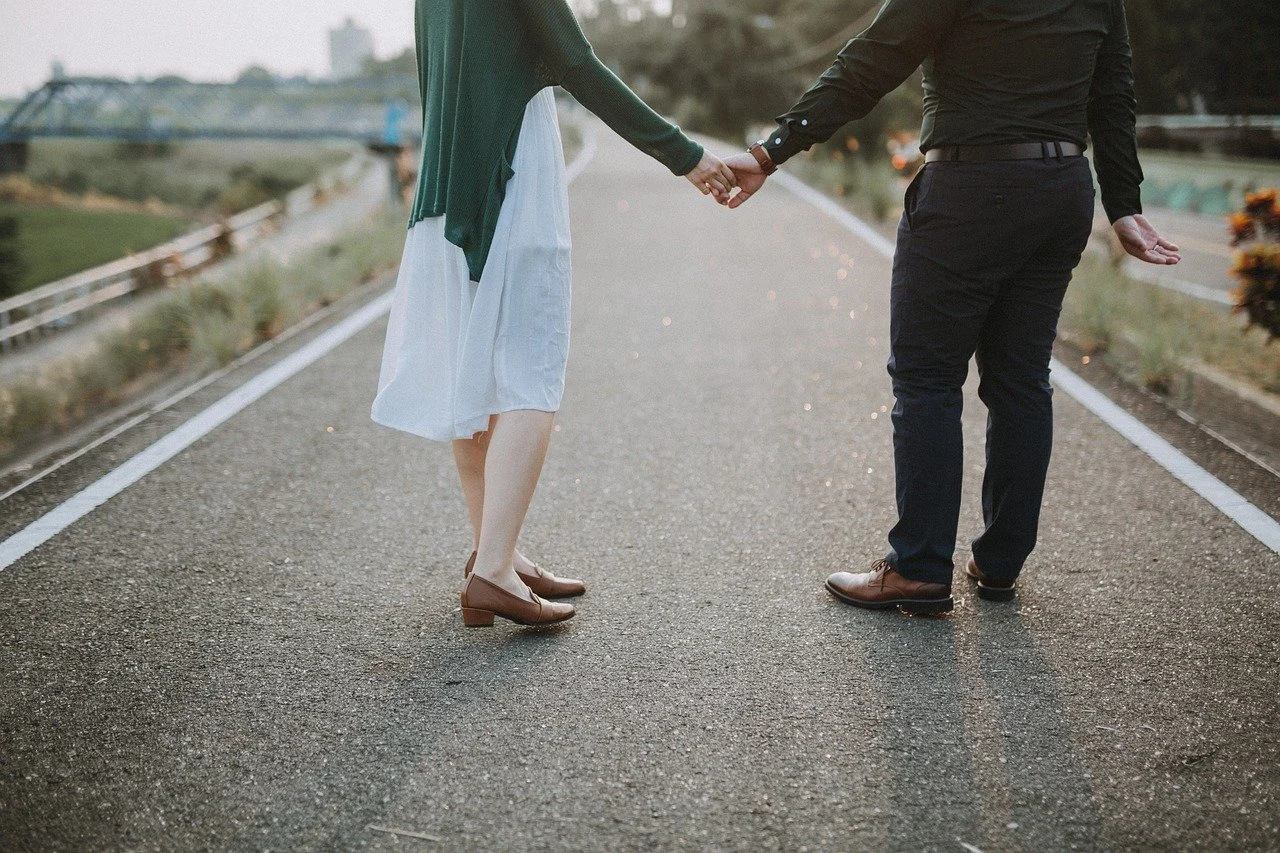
x=517, y=448
x=470, y=454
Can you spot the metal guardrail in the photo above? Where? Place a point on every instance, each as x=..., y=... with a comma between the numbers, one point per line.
x=1206, y=122
x=64, y=303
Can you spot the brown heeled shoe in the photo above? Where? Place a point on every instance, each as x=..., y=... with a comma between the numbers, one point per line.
x=482, y=600
x=543, y=583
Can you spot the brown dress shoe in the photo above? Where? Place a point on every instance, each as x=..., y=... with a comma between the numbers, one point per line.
x=881, y=588
x=989, y=589
x=482, y=600
x=543, y=583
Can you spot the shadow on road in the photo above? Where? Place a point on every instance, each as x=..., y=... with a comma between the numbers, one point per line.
x=1051, y=799
x=931, y=787
x=979, y=749
x=459, y=680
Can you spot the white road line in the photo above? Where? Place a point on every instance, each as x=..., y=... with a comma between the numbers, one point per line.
x=96, y=494
x=1229, y=502
x=1154, y=275
x=836, y=211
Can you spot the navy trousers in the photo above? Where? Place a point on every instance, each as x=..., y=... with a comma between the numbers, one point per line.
x=985, y=252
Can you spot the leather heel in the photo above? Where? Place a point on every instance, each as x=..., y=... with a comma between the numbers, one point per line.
x=473, y=618
x=482, y=600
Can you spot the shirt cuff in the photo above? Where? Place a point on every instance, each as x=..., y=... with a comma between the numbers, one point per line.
x=782, y=144
x=1120, y=208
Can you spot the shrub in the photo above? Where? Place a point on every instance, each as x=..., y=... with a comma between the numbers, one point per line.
x=12, y=268
x=1257, y=265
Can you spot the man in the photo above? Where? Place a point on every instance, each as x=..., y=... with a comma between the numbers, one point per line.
x=992, y=227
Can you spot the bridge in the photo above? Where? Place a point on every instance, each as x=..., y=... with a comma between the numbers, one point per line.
x=381, y=113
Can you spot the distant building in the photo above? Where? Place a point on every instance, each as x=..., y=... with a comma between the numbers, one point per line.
x=350, y=46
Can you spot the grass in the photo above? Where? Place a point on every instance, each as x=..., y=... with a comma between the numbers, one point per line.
x=227, y=176
x=55, y=241
x=1152, y=336
x=870, y=188
x=197, y=326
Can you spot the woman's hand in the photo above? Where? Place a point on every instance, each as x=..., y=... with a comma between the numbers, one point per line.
x=712, y=177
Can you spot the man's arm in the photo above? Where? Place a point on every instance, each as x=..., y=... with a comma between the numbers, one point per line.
x=1112, y=129
x=869, y=67
x=1112, y=122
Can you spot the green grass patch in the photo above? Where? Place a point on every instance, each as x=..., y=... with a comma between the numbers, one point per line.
x=198, y=325
x=55, y=241
x=1151, y=335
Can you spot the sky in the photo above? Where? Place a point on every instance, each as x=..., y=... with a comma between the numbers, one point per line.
x=205, y=40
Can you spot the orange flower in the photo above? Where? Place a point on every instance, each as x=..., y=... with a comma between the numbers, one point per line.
x=1260, y=201
x=1242, y=227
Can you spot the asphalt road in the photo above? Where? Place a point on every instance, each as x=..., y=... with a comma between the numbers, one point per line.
x=1207, y=256
x=257, y=646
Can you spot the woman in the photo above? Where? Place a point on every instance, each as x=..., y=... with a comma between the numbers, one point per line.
x=479, y=330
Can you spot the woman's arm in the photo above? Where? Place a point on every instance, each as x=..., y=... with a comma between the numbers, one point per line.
x=569, y=61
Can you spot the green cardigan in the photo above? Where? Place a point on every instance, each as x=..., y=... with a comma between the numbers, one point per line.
x=479, y=64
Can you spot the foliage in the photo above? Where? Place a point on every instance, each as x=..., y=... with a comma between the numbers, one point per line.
x=869, y=186
x=191, y=175
x=1257, y=265
x=57, y=241
x=12, y=267
x=200, y=324
x=404, y=64
x=1151, y=334
x=683, y=71
x=1221, y=56
x=735, y=62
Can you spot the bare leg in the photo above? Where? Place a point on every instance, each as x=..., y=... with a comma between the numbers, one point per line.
x=470, y=456
x=513, y=464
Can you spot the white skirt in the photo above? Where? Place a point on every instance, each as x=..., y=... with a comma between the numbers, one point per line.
x=459, y=351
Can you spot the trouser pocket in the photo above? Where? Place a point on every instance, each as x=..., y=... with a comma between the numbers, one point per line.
x=909, y=198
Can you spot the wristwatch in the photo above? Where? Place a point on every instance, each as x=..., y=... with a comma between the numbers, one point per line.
x=762, y=157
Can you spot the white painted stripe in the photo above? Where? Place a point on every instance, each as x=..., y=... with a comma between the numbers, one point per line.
x=1154, y=275
x=96, y=494
x=1229, y=502
x=838, y=212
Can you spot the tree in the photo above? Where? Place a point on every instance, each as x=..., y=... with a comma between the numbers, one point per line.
x=403, y=65
x=12, y=269
x=256, y=75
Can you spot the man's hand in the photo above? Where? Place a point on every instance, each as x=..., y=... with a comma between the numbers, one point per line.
x=1141, y=240
x=750, y=178
x=712, y=177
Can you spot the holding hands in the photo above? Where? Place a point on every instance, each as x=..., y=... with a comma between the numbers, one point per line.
x=718, y=178
x=713, y=178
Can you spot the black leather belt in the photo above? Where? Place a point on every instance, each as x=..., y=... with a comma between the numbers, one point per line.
x=1015, y=151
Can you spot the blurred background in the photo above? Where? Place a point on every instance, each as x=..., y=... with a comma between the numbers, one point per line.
x=180, y=183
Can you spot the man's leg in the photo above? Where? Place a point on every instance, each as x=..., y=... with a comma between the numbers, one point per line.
x=1014, y=349
x=937, y=309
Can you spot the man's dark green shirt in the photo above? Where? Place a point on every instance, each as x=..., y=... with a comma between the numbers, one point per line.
x=995, y=72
